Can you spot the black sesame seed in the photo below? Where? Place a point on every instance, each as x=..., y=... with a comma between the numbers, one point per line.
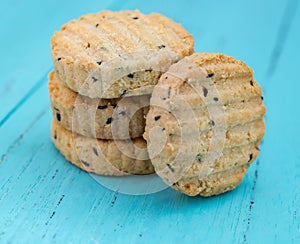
x=95, y=151
x=250, y=157
x=262, y=98
x=58, y=59
x=135, y=17
x=123, y=93
x=130, y=76
x=100, y=62
x=109, y=120
x=94, y=79
x=212, y=123
x=122, y=113
x=205, y=91
x=56, y=109
x=199, y=158
x=216, y=99
x=101, y=107
x=58, y=117
x=55, y=136
x=210, y=75
x=170, y=167
x=97, y=25
x=161, y=46
x=166, y=77
x=149, y=70
x=85, y=163
x=251, y=83
x=163, y=129
x=169, y=92
x=156, y=118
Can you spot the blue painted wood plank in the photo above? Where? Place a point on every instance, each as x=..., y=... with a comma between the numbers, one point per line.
x=25, y=47
x=276, y=212
x=42, y=197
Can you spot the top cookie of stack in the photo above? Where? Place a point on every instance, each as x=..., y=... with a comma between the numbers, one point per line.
x=115, y=54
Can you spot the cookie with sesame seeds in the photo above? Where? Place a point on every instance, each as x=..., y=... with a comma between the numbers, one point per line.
x=102, y=157
x=116, y=54
x=205, y=124
x=119, y=119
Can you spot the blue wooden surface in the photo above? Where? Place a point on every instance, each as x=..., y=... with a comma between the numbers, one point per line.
x=43, y=198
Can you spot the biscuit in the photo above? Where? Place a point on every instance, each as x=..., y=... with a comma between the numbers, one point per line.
x=119, y=119
x=102, y=157
x=116, y=54
x=205, y=124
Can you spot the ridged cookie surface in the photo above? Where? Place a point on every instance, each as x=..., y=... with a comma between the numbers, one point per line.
x=115, y=54
x=103, y=157
x=205, y=124
x=118, y=119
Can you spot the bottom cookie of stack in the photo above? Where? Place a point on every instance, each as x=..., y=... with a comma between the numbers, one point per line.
x=103, y=157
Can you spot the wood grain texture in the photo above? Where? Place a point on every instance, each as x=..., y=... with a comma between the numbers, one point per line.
x=44, y=198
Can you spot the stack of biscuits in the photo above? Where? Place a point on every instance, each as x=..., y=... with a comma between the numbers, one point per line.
x=130, y=96
x=105, y=67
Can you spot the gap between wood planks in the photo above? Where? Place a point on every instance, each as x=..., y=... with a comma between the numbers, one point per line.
x=282, y=35
x=21, y=136
x=29, y=94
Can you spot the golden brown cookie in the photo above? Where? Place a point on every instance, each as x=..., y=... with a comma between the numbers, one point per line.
x=103, y=157
x=115, y=54
x=118, y=119
x=205, y=124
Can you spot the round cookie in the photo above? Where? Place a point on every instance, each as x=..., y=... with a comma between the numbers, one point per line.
x=205, y=124
x=116, y=54
x=103, y=157
x=119, y=119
